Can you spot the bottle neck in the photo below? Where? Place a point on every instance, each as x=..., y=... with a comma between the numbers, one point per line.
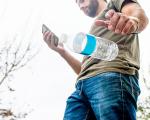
x=63, y=38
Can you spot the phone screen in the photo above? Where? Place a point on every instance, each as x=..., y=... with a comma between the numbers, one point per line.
x=45, y=28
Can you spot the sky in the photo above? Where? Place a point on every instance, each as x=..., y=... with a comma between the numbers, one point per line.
x=43, y=86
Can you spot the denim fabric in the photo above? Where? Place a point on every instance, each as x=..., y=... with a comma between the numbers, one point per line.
x=107, y=96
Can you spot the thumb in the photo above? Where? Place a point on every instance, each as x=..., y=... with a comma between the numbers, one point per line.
x=102, y=23
x=60, y=44
x=109, y=14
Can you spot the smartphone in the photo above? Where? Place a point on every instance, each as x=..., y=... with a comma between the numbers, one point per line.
x=45, y=28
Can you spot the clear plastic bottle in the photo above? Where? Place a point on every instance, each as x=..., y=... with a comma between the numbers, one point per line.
x=90, y=45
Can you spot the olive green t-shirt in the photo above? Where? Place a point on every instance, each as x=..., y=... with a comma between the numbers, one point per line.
x=126, y=62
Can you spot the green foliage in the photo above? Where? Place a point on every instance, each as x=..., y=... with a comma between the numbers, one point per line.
x=143, y=112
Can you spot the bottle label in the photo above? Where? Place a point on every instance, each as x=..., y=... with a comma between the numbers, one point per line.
x=90, y=45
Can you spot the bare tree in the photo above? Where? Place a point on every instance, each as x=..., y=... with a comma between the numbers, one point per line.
x=13, y=56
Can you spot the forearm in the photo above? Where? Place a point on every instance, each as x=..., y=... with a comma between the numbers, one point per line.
x=134, y=10
x=72, y=61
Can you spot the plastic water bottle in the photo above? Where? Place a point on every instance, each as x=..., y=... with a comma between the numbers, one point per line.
x=87, y=44
x=90, y=45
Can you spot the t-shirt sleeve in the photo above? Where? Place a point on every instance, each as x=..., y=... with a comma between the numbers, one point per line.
x=120, y=3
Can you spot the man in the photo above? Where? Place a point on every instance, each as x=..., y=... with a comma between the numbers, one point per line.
x=107, y=90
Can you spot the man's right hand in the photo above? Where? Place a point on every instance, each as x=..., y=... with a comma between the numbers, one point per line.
x=52, y=41
x=50, y=38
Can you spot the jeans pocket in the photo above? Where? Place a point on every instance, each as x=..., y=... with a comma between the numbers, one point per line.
x=135, y=86
x=131, y=87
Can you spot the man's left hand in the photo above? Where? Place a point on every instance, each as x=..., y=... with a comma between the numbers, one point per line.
x=119, y=23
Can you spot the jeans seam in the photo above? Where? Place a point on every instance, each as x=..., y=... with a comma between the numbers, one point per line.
x=81, y=88
x=122, y=96
x=87, y=114
x=131, y=84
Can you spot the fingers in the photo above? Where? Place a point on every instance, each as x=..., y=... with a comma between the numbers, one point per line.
x=118, y=23
x=109, y=14
x=129, y=28
x=51, y=39
x=101, y=23
x=113, y=21
x=47, y=36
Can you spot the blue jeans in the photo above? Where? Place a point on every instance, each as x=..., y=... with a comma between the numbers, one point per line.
x=107, y=96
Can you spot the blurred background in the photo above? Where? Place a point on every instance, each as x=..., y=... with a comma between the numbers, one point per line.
x=34, y=80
